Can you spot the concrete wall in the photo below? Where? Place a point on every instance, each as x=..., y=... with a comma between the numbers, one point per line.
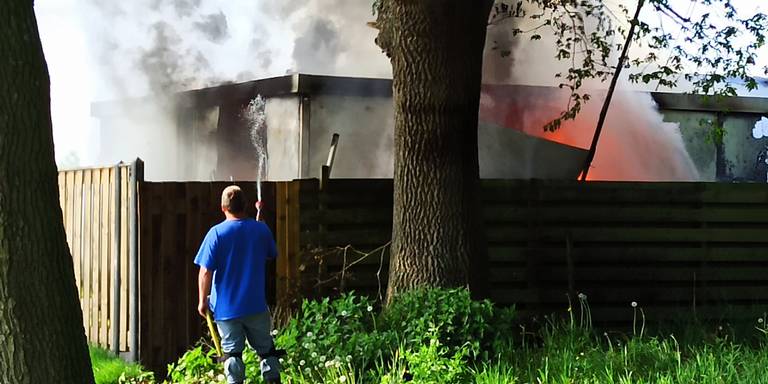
x=283, y=138
x=742, y=150
x=365, y=150
x=736, y=159
x=366, y=129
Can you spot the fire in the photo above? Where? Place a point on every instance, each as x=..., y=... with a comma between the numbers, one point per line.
x=636, y=143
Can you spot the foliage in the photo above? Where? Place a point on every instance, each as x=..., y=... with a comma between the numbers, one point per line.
x=432, y=363
x=450, y=316
x=704, y=50
x=329, y=333
x=196, y=366
x=562, y=349
x=110, y=369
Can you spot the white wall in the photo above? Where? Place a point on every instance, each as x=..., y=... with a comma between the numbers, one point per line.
x=283, y=138
x=366, y=129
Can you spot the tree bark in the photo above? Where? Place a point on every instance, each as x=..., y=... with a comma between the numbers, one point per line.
x=436, y=51
x=42, y=339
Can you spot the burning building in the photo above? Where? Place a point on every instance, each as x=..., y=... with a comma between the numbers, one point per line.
x=205, y=134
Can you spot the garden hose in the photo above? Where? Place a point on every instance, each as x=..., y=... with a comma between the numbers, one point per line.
x=214, y=334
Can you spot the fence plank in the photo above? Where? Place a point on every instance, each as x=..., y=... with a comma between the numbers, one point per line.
x=106, y=266
x=77, y=220
x=86, y=252
x=95, y=233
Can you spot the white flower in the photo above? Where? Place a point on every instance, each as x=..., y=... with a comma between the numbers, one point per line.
x=760, y=320
x=309, y=334
x=328, y=363
x=306, y=370
x=370, y=308
x=349, y=358
x=274, y=332
x=314, y=355
x=306, y=345
x=281, y=360
x=633, y=304
x=342, y=379
x=322, y=358
x=302, y=363
x=220, y=377
x=582, y=296
x=344, y=313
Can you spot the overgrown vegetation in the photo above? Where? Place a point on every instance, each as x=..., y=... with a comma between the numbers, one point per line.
x=442, y=336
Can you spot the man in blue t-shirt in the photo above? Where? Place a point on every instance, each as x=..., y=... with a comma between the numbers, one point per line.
x=232, y=262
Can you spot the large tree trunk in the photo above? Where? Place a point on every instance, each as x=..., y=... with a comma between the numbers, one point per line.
x=436, y=50
x=42, y=339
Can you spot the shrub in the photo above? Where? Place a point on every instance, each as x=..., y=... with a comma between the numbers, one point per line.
x=457, y=320
x=328, y=333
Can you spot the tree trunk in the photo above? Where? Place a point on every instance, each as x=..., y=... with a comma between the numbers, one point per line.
x=436, y=50
x=42, y=339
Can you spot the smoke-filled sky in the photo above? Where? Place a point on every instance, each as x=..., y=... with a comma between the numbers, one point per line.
x=110, y=49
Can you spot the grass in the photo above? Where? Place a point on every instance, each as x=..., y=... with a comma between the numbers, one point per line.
x=328, y=341
x=107, y=368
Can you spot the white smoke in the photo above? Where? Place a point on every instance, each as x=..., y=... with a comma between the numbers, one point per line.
x=636, y=144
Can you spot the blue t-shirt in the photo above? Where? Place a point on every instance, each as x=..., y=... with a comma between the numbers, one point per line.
x=236, y=252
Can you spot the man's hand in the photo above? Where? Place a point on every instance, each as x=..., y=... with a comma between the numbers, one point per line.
x=259, y=205
x=202, y=307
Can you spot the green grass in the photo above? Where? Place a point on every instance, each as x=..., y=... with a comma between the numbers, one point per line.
x=107, y=368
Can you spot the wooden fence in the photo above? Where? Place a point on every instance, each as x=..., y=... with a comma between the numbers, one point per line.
x=95, y=203
x=672, y=247
x=174, y=218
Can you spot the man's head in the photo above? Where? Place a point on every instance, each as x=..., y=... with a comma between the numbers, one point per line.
x=233, y=200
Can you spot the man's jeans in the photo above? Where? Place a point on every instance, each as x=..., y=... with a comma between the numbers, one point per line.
x=256, y=329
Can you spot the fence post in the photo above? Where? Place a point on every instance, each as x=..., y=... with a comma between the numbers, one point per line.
x=137, y=175
x=114, y=323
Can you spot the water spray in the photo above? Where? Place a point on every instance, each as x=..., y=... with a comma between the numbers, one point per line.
x=256, y=119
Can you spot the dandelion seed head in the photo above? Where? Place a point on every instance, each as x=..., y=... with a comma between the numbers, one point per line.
x=344, y=313
x=274, y=332
x=634, y=304
x=370, y=308
x=302, y=362
x=342, y=379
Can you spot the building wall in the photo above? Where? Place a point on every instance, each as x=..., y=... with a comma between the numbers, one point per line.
x=283, y=138
x=365, y=150
x=736, y=159
x=742, y=150
x=366, y=136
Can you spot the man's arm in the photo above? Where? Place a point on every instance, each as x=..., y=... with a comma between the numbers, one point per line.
x=204, y=279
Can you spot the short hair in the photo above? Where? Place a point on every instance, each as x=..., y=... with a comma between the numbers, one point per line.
x=233, y=199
